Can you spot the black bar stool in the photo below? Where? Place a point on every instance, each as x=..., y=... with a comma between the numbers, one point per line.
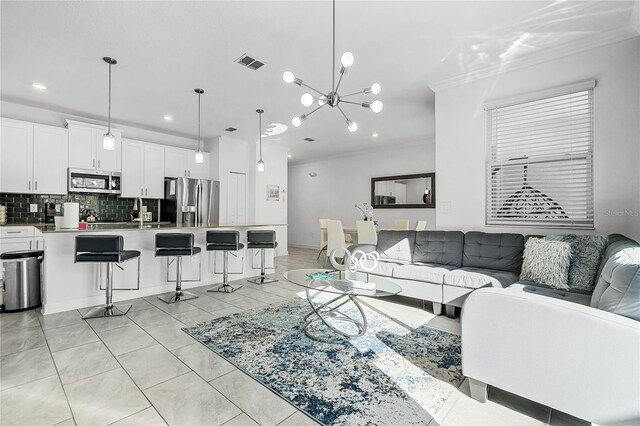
x=224, y=241
x=178, y=245
x=107, y=249
x=261, y=240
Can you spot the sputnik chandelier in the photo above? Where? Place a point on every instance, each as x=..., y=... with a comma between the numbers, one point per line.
x=333, y=99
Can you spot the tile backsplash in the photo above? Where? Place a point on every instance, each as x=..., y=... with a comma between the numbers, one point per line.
x=109, y=207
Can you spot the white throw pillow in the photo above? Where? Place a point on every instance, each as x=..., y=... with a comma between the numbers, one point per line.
x=547, y=262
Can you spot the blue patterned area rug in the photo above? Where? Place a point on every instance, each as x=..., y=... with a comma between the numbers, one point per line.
x=392, y=375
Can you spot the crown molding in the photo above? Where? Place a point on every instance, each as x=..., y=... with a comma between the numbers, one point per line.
x=550, y=54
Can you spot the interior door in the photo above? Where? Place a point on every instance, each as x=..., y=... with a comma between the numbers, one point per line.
x=49, y=160
x=242, y=198
x=16, y=157
x=232, y=198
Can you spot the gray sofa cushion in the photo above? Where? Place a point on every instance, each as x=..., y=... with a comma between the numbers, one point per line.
x=501, y=252
x=618, y=287
x=396, y=245
x=439, y=247
x=430, y=273
x=470, y=277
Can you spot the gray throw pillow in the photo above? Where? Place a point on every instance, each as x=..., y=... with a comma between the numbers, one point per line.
x=586, y=254
x=546, y=262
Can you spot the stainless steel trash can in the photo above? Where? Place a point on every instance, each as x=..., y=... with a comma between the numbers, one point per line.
x=21, y=282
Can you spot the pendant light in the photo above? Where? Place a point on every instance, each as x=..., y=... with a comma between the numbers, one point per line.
x=199, y=153
x=333, y=99
x=260, y=162
x=108, y=140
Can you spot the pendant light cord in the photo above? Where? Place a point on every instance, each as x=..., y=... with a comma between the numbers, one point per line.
x=109, y=122
x=333, y=65
x=260, y=132
x=199, y=96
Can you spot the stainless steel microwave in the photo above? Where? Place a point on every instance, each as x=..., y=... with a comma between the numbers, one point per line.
x=94, y=182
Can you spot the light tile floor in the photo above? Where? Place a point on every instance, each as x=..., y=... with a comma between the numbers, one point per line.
x=142, y=369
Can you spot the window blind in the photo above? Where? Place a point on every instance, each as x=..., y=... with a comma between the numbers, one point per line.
x=540, y=160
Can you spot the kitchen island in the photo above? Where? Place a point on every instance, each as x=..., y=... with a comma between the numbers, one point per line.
x=68, y=285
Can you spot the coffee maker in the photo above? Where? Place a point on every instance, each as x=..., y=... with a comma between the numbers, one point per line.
x=49, y=211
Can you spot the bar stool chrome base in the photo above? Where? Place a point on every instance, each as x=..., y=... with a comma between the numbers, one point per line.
x=177, y=296
x=108, y=311
x=224, y=288
x=262, y=279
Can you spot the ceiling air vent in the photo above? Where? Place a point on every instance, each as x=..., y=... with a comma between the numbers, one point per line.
x=309, y=139
x=249, y=62
x=231, y=129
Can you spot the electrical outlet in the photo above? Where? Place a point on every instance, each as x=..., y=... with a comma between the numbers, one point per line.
x=33, y=208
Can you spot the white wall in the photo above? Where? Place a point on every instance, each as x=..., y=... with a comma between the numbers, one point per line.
x=275, y=173
x=461, y=148
x=344, y=181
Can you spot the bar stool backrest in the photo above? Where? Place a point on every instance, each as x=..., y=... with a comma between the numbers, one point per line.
x=263, y=236
x=174, y=241
x=99, y=244
x=223, y=237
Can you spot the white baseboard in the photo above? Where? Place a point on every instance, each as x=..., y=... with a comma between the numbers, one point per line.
x=304, y=246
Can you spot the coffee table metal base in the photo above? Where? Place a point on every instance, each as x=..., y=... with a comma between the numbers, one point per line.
x=323, y=312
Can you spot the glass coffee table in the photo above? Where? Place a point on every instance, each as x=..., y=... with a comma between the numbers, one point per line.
x=346, y=291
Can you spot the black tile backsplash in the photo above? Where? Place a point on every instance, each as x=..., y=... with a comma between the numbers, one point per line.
x=109, y=207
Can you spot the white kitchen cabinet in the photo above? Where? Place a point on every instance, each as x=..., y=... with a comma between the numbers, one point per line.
x=49, y=160
x=175, y=161
x=13, y=238
x=33, y=158
x=181, y=162
x=86, y=149
x=16, y=156
x=154, y=171
x=142, y=169
x=131, y=182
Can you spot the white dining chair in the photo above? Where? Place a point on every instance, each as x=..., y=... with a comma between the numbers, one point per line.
x=323, y=236
x=402, y=224
x=366, y=232
x=421, y=225
x=335, y=237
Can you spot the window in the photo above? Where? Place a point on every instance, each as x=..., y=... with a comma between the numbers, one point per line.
x=540, y=159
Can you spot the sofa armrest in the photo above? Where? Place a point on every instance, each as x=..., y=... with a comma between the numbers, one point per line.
x=571, y=357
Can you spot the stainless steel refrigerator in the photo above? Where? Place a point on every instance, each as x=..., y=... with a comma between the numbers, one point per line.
x=190, y=202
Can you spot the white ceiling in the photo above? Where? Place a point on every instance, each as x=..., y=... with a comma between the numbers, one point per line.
x=166, y=49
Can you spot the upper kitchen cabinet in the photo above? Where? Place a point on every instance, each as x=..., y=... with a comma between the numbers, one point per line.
x=142, y=169
x=179, y=162
x=86, y=148
x=33, y=158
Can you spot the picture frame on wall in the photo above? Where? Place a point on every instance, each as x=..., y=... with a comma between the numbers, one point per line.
x=273, y=193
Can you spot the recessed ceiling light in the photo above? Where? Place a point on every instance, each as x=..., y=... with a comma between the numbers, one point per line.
x=375, y=135
x=289, y=156
x=168, y=117
x=39, y=86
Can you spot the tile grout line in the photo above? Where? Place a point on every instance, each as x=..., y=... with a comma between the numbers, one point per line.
x=58, y=374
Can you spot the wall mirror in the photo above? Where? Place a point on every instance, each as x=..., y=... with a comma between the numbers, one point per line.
x=404, y=191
